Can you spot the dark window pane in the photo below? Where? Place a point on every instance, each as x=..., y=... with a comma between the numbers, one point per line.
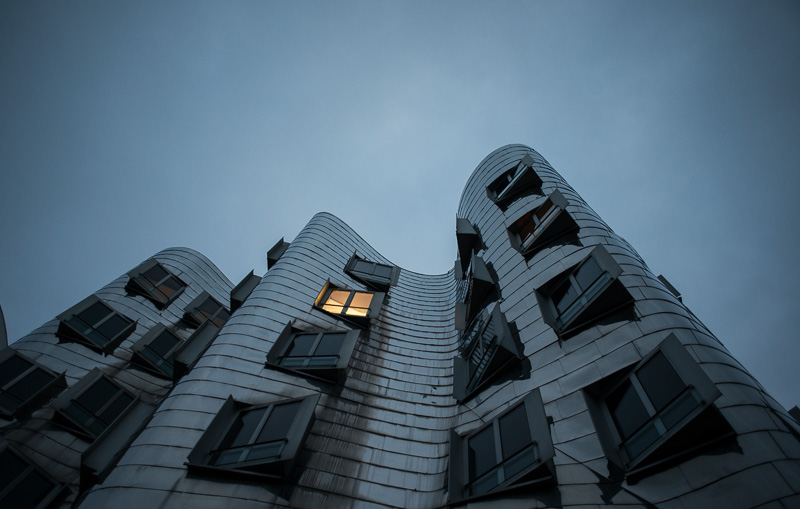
x=660, y=381
x=279, y=422
x=482, y=455
x=208, y=307
x=10, y=467
x=163, y=343
x=169, y=286
x=301, y=345
x=243, y=429
x=363, y=266
x=94, y=313
x=156, y=274
x=627, y=409
x=383, y=271
x=587, y=274
x=29, y=492
x=12, y=368
x=221, y=318
x=116, y=408
x=543, y=210
x=113, y=326
x=515, y=434
x=97, y=395
x=564, y=296
x=330, y=344
x=32, y=383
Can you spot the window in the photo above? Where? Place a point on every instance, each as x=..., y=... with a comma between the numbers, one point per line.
x=94, y=324
x=205, y=307
x=512, y=450
x=638, y=413
x=321, y=354
x=479, y=291
x=23, y=383
x=258, y=442
x=354, y=305
x=468, y=240
x=22, y=484
x=186, y=355
x=155, y=351
x=514, y=183
x=542, y=225
x=91, y=405
x=488, y=350
x=571, y=301
x=373, y=274
x=155, y=282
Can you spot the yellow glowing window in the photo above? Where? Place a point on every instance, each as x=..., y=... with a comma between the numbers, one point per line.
x=347, y=302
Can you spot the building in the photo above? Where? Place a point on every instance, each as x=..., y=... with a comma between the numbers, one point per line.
x=549, y=368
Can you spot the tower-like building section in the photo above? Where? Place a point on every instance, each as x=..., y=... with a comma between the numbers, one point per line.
x=549, y=368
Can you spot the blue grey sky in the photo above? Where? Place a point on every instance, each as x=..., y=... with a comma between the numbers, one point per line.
x=129, y=127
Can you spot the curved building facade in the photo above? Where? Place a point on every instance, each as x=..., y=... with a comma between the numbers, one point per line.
x=549, y=368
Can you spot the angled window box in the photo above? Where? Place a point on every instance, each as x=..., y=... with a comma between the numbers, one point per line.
x=378, y=276
x=657, y=410
x=513, y=450
x=488, y=351
x=355, y=306
x=154, y=282
x=468, y=241
x=519, y=181
x=319, y=354
x=275, y=252
x=256, y=442
x=481, y=288
x=205, y=307
x=190, y=351
x=91, y=405
x=155, y=351
x=583, y=294
x=541, y=226
x=23, y=483
x=242, y=291
x=94, y=324
x=25, y=385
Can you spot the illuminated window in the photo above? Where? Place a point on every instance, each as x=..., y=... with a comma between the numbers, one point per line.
x=94, y=324
x=205, y=307
x=322, y=354
x=255, y=442
x=22, y=484
x=351, y=304
x=542, y=225
x=515, y=183
x=155, y=351
x=24, y=383
x=155, y=282
x=512, y=449
x=373, y=274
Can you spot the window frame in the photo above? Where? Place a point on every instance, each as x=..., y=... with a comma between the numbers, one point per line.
x=67, y=332
x=192, y=320
x=329, y=373
x=555, y=225
x=31, y=467
x=514, y=182
x=540, y=471
x=267, y=469
x=373, y=311
x=44, y=393
x=379, y=283
x=468, y=240
x=140, y=360
x=138, y=284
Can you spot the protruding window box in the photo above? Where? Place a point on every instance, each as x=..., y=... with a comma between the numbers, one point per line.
x=275, y=252
x=24, y=484
x=318, y=354
x=656, y=411
x=25, y=385
x=489, y=351
x=468, y=240
x=352, y=305
x=155, y=351
x=541, y=226
x=513, y=450
x=205, y=307
x=191, y=350
x=243, y=290
x=583, y=294
x=515, y=183
x=154, y=282
x=481, y=287
x=256, y=442
x=94, y=324
x=378, y=276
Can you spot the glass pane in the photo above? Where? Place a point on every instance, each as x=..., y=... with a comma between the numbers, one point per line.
x=169, y=286
x=94, y=313
x=515, y=434
x=640, y=441
x=333, y=309
x=525, y=227
x=338, y=298
x=29, y=492
x=10, y=467
x=679, y=409
x=360, y=304
x=363, y=266
x=155, y=274
x=115, y=408
x=265, y=451
x=208, y=307
x=482, y=455
x=516, y=464
x=227, y=457
x=587, y=273
x=627, y=409
x=163, y=343
x=97, y=395
x=243, y=429
x=660, y=381
x=330, y=344
x=113, y=326
x=221, y=318
x=301, y=345
x=279, y=422
x=564, y=296
x=384, y=271
x=543, y=210
x=12, y=368
x=78, y=414
x=32, y=383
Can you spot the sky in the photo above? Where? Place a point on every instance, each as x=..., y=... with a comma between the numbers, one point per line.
x=130, y=127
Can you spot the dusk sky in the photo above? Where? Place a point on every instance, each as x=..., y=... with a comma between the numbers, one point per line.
x=130, y=127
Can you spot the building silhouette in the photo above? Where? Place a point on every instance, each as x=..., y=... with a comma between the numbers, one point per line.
x=549, y=368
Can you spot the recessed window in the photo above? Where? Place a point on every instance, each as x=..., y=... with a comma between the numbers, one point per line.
x=376, y=275
x=205, y=307
x=322, y=354
x=572, y=300
x=153, y=281
x=351, y=304
x=512, y=450
x=22, y=484
x=155, y=351
x=638, y=413
x=24, y=383
x=92, y=405
x=515, y=183
x=94, y=324
x=256, y=441
x=542, y=225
